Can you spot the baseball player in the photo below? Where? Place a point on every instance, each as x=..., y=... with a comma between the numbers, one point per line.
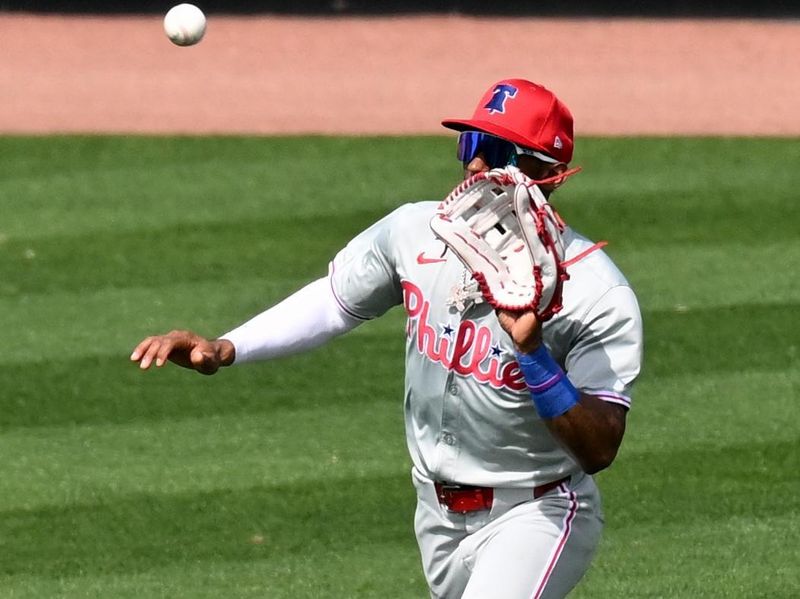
x=506, y=418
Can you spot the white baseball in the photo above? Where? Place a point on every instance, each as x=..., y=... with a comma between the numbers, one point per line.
x=185, y=24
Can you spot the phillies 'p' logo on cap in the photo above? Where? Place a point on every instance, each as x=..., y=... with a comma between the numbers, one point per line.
x=501, y=93
x=525, y=113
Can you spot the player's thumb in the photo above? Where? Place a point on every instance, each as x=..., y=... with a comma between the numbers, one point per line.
x=204, y=361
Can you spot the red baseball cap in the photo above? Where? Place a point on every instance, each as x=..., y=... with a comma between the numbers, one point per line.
x=525, y=113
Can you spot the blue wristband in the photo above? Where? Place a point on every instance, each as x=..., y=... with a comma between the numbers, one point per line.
x=551, y=391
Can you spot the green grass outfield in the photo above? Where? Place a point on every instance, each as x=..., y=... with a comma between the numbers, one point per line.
x=290, y=478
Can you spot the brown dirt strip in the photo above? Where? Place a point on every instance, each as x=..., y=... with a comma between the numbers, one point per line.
x=393, y=75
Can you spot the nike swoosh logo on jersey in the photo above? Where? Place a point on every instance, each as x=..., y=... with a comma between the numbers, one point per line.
x=422, y=259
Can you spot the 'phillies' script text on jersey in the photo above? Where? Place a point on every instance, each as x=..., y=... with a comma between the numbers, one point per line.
x=472, y=346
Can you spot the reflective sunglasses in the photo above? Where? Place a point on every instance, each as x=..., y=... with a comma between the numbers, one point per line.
x=497, y=152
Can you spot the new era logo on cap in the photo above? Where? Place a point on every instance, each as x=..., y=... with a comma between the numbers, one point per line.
x=525, y=113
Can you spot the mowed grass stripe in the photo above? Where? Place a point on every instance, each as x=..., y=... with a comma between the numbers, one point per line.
x=137, y=533
x=640, y=189
x=108, y=322
x=734, y=271
x=77, y=185
x=352, y=570
x=638, y=499
x=711, y=410
x=222, y=522
x=222, y=252
x=298, y=443
x=684, y=277
x=689, y=282
x=689, y=216
x=111, y=321
x=74, y=386
x=148, y=442
x=764, y=337
x=219, y=526
x=742, y=556
x=703, y=482
x=359, y=369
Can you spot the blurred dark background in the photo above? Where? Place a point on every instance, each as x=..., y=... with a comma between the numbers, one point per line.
x=587, y=8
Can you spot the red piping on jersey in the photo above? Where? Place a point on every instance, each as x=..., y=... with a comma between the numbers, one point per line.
x=562, y=541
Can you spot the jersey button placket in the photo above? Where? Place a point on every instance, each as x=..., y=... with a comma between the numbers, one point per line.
x=449, y=431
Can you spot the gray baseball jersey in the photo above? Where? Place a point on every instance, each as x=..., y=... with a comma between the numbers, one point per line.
x=469, y=416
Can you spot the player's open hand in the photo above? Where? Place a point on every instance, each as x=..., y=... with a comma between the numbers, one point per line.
x=524, y=329
x=186, y=349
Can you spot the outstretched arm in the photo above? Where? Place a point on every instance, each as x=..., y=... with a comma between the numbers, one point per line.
x=304, y=320
x=590, y=428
